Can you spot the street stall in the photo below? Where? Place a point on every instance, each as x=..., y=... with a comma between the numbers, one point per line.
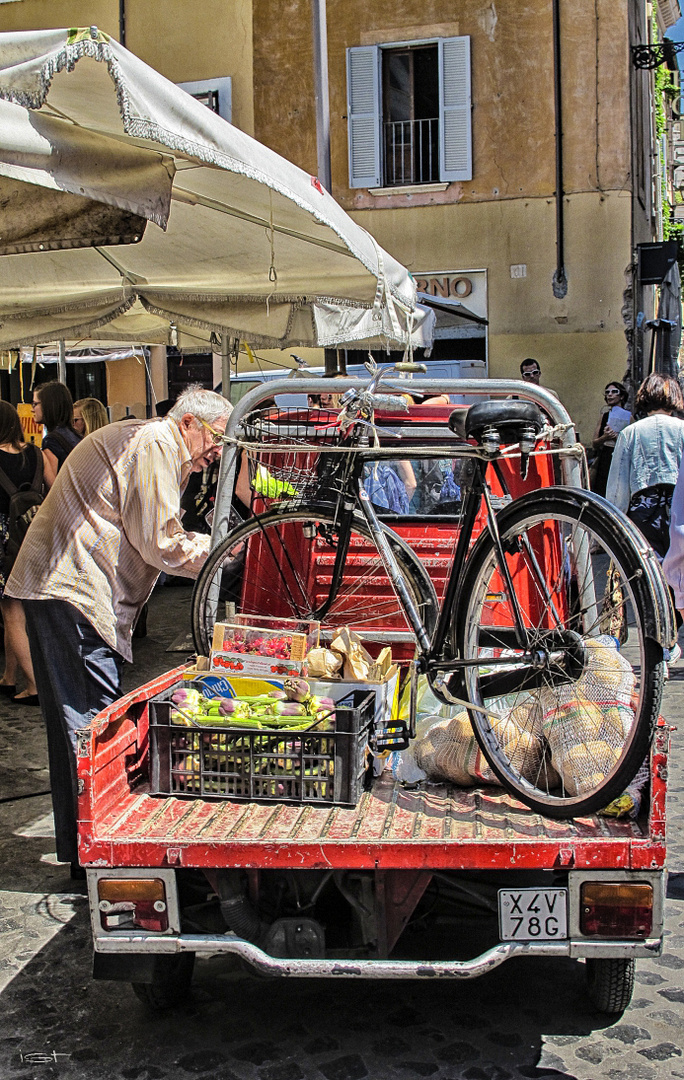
x=134, y=213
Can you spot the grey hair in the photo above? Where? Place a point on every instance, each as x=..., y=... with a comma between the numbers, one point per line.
x=202, y=404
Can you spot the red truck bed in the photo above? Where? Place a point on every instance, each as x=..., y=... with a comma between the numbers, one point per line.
x=438, y=826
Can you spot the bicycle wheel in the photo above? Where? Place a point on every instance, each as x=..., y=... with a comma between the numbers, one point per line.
x=281, y=564
x=568, y=724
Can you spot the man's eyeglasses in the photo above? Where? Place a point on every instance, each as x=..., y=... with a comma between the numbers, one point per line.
x=217, y=437
x=532, y=373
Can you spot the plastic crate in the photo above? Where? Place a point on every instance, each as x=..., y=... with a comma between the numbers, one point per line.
x=218, y=762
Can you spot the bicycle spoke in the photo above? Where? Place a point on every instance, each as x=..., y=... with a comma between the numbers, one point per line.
x=571, y=700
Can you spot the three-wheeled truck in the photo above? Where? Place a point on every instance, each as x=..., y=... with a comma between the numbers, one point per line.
x=315, y=889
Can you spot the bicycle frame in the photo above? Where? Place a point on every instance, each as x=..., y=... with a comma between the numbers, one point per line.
x=431, y=650
x=432, y=659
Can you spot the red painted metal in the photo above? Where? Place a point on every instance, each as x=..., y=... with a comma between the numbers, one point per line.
x=442, y=827
x=397, y=894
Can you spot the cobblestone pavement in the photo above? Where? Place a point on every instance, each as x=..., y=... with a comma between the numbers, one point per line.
x=529, y=1018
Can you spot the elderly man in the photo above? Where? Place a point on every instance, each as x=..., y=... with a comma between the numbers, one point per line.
x=109, y=525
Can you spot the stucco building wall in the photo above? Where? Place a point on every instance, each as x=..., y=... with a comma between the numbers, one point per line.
x=506, y=215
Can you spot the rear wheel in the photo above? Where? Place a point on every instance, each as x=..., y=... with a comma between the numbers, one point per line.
x=282, y=564
x=171, y=981
x=565, y=725
x=610, y=983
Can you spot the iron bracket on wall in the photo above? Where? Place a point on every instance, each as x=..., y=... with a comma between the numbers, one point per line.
x=648, y=57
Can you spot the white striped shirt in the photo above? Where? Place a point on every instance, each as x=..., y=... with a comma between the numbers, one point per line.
x=109, y=525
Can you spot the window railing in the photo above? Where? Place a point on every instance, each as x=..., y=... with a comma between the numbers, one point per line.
x=411, y=155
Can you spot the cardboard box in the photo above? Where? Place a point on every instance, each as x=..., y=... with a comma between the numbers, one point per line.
x=253, y=664
x=215, y=684
x=386, y=692
x=262, y=645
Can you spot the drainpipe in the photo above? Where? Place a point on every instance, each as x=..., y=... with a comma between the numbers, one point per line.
x=560, y=281
x=122, y=22
x=320, y=51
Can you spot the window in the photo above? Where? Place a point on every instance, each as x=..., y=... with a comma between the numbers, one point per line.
x=409, y=113
x=216, y=94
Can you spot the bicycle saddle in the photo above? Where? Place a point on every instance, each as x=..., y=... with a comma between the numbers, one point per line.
x=508, y=416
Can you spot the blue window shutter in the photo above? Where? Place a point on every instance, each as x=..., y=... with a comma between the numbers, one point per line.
x=363, y=116
x=455, y=125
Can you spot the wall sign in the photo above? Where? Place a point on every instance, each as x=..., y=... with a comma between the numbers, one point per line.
x=445, y=285
x=467, y=287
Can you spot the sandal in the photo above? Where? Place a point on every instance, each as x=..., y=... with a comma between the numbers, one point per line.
x=29, y=699
x=8, y=689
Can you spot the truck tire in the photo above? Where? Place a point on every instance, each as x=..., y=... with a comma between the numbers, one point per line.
x=610, y=983
x=170, y=985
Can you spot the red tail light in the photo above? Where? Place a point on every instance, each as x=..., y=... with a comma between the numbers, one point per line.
x=132, y=904
x=616, y=910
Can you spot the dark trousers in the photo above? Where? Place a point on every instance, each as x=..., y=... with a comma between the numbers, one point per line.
x=77, y=675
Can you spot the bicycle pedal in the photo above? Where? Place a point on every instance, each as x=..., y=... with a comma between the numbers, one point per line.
x=393, y=736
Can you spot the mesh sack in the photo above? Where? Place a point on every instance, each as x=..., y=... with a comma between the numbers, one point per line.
x=584, y=766
x=450, y=751
x=586, y=723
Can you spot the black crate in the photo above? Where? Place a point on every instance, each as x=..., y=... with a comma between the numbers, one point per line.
x=322, y=767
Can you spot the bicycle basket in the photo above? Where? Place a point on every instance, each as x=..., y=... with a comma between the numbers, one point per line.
x=286, y=454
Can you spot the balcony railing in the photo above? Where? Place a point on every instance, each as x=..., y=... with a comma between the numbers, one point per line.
x=411, y=155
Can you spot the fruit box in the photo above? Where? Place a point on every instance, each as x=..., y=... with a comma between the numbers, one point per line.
x=217, y=684
x=262, y=646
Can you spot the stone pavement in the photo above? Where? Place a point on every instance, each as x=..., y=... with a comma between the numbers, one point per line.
x=529, y=1018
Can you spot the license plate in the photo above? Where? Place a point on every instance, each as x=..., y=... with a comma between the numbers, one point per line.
x=533, y=914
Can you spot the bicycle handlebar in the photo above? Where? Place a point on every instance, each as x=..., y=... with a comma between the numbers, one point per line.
x=389, y=402
x=406, y=365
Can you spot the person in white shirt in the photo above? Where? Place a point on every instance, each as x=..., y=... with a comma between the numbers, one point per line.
x=109, y=525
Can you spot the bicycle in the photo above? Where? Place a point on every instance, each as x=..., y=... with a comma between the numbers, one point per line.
x=525, y=635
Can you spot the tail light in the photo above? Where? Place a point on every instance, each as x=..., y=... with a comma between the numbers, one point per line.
x=616, y=910
x=132, y=904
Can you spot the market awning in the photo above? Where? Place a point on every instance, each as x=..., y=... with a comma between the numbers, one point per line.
x=239, y=240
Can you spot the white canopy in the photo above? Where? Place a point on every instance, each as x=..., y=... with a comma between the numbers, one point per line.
x=94, y=144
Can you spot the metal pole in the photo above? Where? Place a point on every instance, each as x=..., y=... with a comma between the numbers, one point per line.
x=225, y=365
x=122, y=22
x=320, y=50
x=61, y=363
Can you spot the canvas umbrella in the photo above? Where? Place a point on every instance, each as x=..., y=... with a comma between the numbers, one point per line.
x=131, y=211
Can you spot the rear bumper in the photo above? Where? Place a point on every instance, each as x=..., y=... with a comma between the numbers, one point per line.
x=261, y=962
x=129, y=942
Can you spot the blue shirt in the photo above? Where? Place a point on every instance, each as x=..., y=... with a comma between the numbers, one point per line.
x=646, y=453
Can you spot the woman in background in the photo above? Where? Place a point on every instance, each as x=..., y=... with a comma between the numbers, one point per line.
x=615, y=394
x=53, y=407
x=646, y=464
x=89, y=415
x=18, y=461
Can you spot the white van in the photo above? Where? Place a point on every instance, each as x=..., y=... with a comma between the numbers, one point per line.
x=437, y=369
